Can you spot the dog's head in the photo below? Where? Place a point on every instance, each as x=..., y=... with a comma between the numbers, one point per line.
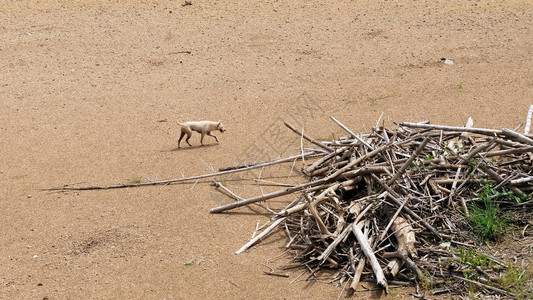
x=221, y=127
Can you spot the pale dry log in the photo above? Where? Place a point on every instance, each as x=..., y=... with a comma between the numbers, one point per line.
x=372, y=260
x=357, y=274
x=260, y=236
x=489, y=132
x=226, y=190
x=352, y=134
x=509, y=151
x=294, y=209
x=272, y=183
x=405, y=235
x=517, y=135
x=528, y=119
x=310, y=139
x=521, y=180
x=510, y=143
x=358, y=271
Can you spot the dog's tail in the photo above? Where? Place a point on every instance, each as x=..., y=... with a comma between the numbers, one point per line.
x=180, y=124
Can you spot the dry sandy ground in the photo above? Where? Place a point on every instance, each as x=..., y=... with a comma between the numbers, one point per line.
x=91, y=91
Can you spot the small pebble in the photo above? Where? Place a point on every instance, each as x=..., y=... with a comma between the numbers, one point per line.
x=449, y=62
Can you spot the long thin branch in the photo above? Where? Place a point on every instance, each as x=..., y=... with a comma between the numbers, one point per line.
x=351, y=133
x=266, y=196
x=489, y=132
x=169, y=181
x=259, y=236
x=310, y=139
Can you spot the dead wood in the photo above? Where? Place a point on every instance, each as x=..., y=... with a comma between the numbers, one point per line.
x=381, y=203
x=310, y=139
x=372, y=260
x=183, y=179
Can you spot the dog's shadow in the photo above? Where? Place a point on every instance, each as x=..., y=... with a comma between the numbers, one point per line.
x=187, y=148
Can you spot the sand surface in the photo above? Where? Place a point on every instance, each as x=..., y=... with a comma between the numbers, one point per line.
x=90, y=93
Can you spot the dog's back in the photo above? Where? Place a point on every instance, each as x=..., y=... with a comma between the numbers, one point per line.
x=202, y=126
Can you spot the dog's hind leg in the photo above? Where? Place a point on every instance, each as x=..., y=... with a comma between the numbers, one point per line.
x=209, y=134
x=181, y=136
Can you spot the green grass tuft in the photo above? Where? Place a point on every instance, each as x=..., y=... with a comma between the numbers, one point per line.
x=485, y=217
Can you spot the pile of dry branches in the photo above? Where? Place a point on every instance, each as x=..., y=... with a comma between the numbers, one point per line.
x=391, y=206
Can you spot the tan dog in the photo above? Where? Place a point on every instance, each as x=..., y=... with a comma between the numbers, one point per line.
x=203, y=127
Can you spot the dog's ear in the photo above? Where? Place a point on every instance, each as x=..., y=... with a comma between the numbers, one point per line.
x=219, y=122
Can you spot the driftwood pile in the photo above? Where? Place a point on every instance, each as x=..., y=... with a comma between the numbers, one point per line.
x=391, y=206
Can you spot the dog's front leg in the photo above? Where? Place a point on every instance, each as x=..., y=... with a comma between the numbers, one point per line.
x=209, y=134
x=202, y=139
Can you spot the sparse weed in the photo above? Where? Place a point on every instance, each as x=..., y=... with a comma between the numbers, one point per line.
x=515, y=281
x=136, y=178
x=349, y=101
x=189, y=263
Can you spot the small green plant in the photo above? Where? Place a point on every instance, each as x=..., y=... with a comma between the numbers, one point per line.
x=515, y=281
x=189, y=263
x=136, y=178
x=460, y=86
x=349, y=101
x=418, y=166
x=485, y=217
x=472, y=164
x=471, y=257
